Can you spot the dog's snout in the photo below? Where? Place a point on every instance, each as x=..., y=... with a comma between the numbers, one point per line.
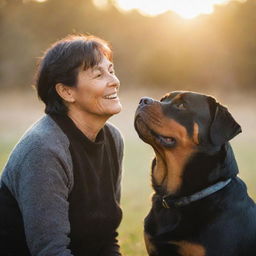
x=146, y=101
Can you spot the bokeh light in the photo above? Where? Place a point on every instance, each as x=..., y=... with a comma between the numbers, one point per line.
x=185, y=8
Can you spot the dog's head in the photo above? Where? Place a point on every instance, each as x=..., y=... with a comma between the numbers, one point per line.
x=182, y=125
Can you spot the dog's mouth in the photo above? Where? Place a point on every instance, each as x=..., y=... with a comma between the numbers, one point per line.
x=150, y=136
x=167, y=142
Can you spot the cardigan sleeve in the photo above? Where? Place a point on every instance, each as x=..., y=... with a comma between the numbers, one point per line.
x=41, y=184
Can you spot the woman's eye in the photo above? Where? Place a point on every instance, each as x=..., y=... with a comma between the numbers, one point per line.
x=98, y=75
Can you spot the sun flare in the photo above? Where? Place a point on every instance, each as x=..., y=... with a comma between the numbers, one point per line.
x=185, y=8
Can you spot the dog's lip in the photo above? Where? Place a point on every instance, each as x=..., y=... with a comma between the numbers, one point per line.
x=139, y=119
x=167, y=141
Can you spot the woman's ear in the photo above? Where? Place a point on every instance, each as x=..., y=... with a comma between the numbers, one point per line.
x=223, y=126
x=65, y=92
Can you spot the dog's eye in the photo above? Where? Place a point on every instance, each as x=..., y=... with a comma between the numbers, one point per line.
x=181, y=106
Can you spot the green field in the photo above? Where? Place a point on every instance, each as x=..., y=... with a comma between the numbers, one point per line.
x=136, y=189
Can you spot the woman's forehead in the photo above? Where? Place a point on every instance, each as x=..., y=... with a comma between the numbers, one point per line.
x=98, y=60
x=105, y=62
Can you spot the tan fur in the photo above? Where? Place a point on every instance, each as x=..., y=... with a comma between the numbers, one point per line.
x=177, y=97
x=159, y=171
x=149, y=246
x=189, y=249
x=196, y=133
x=171, y=162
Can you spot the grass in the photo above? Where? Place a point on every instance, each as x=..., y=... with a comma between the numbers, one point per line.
x=135, y=197
x=136, y=189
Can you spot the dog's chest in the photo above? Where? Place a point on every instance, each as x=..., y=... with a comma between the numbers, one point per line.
x=175, y=248
x=185, y=248
x=168, y=230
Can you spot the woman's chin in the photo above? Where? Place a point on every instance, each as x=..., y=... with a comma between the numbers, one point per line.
x=117, y=109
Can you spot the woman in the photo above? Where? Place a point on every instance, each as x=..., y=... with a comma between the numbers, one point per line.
x=60, y=189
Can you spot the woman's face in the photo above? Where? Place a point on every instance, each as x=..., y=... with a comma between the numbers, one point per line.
x=96, y=91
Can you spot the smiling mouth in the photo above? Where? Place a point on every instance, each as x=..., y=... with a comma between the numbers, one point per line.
x=111, y=96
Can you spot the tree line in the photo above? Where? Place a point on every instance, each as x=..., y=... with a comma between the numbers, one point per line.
x=210, y=51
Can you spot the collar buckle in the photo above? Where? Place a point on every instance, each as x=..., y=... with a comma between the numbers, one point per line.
x=165, y=204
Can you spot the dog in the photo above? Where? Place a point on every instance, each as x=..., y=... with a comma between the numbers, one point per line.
x=199, y=206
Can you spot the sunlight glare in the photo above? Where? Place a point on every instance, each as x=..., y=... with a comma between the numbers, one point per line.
x=186, y=8
x=102, y=4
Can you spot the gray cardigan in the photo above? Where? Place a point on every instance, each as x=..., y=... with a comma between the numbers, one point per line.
x=39, y=175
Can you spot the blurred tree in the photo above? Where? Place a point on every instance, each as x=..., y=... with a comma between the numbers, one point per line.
x=213, y=51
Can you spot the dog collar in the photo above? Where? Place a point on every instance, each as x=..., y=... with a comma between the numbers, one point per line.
x=167, y=202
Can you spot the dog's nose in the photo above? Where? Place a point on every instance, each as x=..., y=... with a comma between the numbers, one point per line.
x=146, y=101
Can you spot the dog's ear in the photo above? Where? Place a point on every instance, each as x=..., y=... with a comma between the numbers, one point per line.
x=223, y=126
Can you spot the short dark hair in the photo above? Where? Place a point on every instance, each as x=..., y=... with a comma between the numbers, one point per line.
x=61, y=63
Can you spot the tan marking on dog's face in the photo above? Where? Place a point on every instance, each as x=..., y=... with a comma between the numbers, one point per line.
x=196, y=133
x=171, y=161
x=177, y=97
x=160, y=170
x=149, y=246
x=177, y=158
x=189, y=249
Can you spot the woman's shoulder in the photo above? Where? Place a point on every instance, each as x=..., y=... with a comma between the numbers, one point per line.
x=44, y=133
x=41, y=155
x=43, y=144
x=44, y=136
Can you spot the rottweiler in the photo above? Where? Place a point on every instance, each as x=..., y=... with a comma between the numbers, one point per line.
x=199, y=207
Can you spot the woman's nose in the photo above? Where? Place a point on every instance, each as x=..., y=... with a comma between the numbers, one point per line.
x=114, y=82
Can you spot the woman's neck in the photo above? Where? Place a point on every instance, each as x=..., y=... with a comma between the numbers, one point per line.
x=89, y=125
